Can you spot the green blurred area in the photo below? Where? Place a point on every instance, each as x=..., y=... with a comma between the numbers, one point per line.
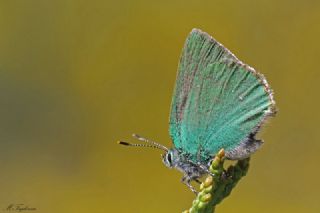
x=76, y=76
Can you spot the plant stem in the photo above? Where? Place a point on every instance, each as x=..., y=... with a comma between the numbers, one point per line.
x=215, y=188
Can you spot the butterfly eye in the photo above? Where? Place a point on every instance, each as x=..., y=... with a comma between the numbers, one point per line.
x=169, y=158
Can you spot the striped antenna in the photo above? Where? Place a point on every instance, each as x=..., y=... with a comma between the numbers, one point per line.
x=150, y=144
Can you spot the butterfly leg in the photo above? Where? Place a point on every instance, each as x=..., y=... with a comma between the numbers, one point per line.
x=204, y=168
x=186, y=180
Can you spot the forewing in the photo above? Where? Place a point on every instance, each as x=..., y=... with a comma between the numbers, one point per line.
x=218, y=101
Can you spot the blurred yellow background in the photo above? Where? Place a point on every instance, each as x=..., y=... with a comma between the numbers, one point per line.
x=76, y=76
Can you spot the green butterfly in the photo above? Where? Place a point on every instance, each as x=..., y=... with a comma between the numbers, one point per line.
x=218, y=102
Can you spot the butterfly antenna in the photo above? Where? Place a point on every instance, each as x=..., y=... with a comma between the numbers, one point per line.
x=137, y=144
x=150, y=144
x=160, y=146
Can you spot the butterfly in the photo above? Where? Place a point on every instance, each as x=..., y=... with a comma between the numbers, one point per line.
x=218, y=103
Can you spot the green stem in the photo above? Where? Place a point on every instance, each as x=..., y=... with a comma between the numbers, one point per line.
x=215, y=188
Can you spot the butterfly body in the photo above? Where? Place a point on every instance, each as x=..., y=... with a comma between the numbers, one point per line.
x=218, y=103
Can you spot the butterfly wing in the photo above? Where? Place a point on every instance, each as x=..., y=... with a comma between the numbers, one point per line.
x=218, y=101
